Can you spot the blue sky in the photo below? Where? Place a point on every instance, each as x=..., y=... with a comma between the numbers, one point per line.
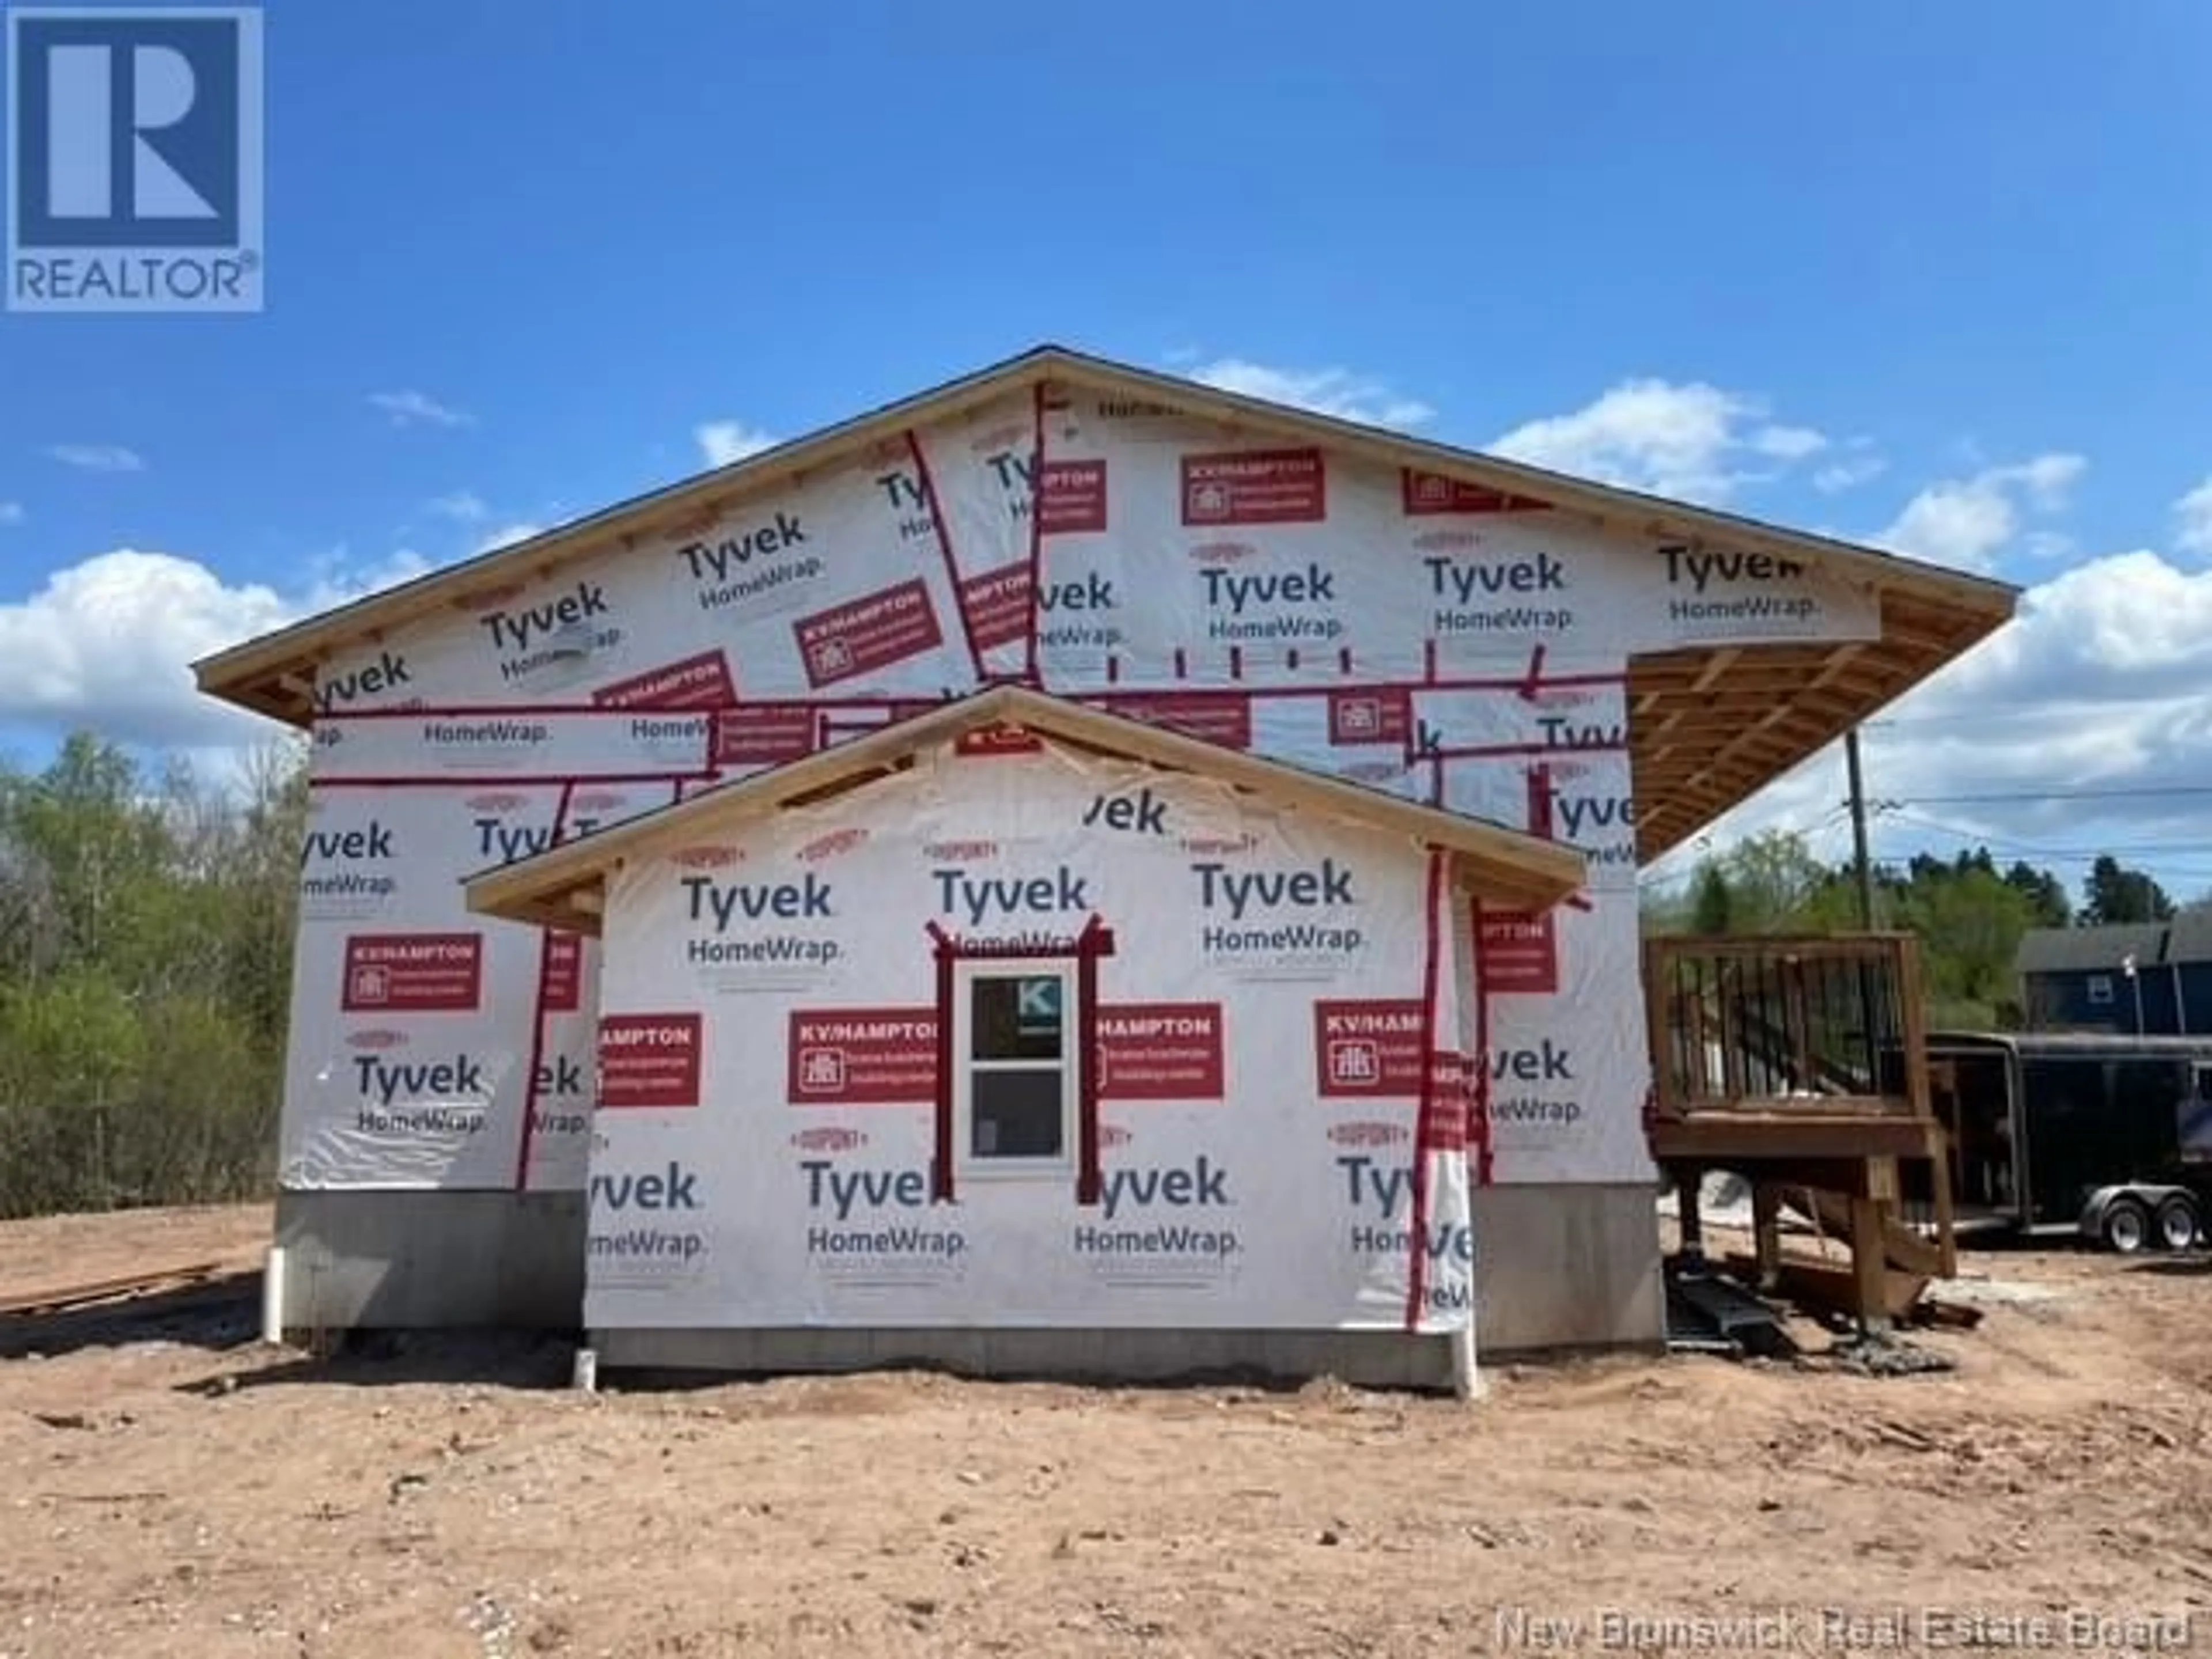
x=515, y=267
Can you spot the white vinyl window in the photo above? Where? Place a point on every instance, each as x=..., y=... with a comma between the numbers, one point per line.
x=2100, y=987
x=1016, y=1086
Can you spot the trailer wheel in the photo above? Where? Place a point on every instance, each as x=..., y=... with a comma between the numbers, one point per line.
x=2126, y=1225
x=2176, y=1224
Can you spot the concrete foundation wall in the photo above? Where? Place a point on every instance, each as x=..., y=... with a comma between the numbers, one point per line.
x=383, y=1260
x=1567, y=1267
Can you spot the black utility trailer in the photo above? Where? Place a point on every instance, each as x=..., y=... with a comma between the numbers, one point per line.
x=2107, y=1136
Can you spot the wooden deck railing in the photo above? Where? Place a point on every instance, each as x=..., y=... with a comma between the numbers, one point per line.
x=1802, y=1027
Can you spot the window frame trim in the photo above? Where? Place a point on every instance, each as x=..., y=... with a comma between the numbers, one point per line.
x=967, y=1164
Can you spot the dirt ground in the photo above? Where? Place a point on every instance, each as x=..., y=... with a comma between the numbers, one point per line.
x=170, y=1486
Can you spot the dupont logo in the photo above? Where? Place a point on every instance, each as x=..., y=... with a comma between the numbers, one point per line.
x=497, y=803
x=828, y=1139
x=1369, y=1133
x=377, y=1040
x=959, y=851
x=135, y=175
x=596, y=800
x=1447, y=541
x=1113, y=1135
x=1220, y=846
x=835, y=844
x=704, y=858
x=1218, y=553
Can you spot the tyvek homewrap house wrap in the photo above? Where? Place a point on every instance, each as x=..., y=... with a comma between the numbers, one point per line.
x=465, y=1133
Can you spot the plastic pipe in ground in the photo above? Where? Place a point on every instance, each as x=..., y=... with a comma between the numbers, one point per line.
x=272, y=1295
x=1467, y=1380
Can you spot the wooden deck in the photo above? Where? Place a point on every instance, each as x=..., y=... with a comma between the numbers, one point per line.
x=1801, y=1064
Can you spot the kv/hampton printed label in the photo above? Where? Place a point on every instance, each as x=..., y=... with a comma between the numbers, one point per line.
x=1165, y=1051
x=650, y=1061
x=867, y=634
x=413, y=973
x=1257, y=486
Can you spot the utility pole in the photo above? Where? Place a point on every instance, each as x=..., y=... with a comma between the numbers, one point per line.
x=1862, y=869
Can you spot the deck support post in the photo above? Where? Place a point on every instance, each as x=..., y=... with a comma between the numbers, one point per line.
x=1689, y=1179
x=1870, y=1266
x=1766, y=1231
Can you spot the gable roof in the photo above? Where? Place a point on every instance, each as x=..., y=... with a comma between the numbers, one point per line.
x=1709, y=725
x=2090, y=950
x=2186, y=939
x=561, y=887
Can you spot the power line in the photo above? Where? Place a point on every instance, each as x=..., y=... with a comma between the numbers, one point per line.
x=2057, y=855
x=2015, y=796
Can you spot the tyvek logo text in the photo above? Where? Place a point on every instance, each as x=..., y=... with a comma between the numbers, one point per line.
x=1700, y=572
x=633, y=1218
x=530, y=637
x=1159, y=1196
x=1385, y=1191
x=368, y=684
x=720, y=909
x=744, y=564
x=1479, y=596
x=854, y=1198
x=980, y=902
x=1245, y=607
x=1254, y=896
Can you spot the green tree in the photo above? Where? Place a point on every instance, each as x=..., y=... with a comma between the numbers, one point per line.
x=145, y=963
x=2116, y=893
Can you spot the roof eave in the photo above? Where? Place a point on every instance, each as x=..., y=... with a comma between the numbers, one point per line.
x=247, y=674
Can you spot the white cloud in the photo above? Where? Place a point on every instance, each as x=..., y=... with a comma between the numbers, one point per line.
x=1857, y=464
x=11, y=513
x=411, y=408
x=1333, y=392
x=2195, y=512
x=1964, y=522
x=1691, y=441
x=107, y=644
x=507, y=536
x=724, y=441
x=463, y=507
x=98, y=458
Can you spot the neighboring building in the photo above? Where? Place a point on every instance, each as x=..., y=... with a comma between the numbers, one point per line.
x=2079, y=979
x=1364, y=652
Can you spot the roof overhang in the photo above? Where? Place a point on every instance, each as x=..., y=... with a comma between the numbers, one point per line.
x=565, y=886
x=1708, y=725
